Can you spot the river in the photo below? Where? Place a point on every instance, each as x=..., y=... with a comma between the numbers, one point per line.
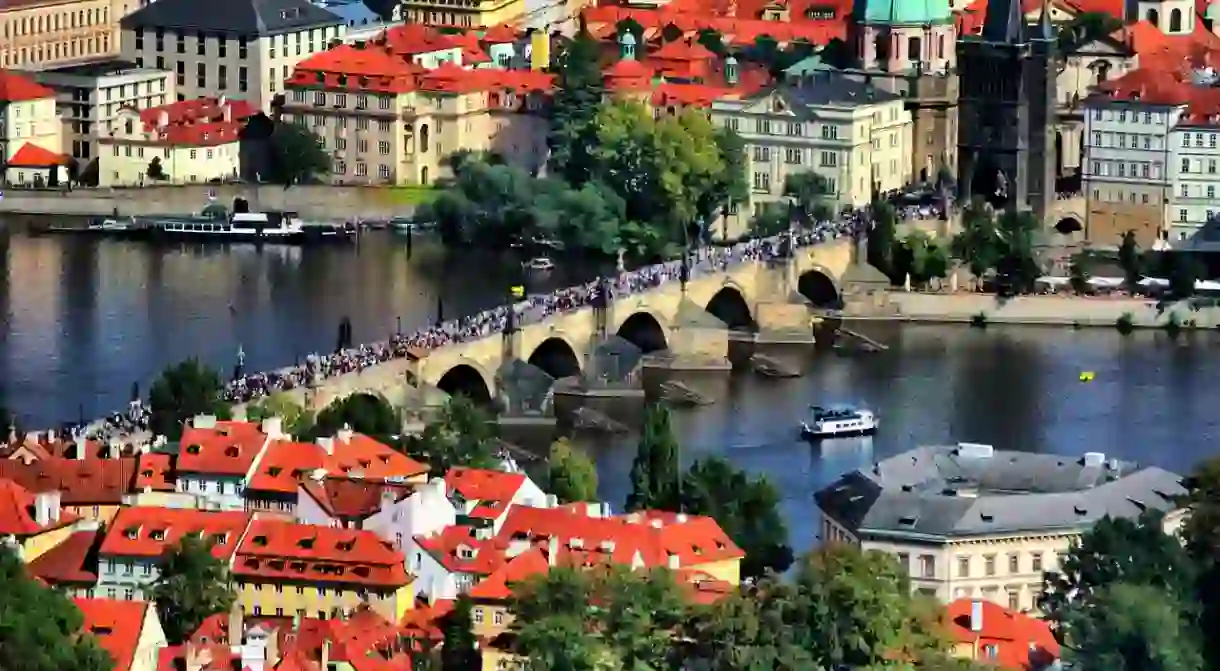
x=85, y=319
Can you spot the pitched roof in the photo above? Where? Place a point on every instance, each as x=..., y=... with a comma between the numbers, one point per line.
x=91, y=482
x=72, y=562
x=117, y=625
x=31, y=155
x=285, y=464
x=18, y=512
x=199, y=122
x=499, y=34
x=143, y=531
x=1021, y=642
x=16, y=88
x=228, y=448
x=231, y=17
x=371, y=69
x=350, y=499
x=279, y=550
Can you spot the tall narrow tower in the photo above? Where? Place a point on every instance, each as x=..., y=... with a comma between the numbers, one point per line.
x=1007, y=77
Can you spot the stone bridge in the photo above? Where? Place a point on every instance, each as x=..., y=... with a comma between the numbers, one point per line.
x=1067, y=215
x=764, y=295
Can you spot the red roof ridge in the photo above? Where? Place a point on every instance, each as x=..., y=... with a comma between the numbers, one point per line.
x=17, y=88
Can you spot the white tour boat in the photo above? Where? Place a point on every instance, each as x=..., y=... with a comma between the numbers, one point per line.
x=838, y=422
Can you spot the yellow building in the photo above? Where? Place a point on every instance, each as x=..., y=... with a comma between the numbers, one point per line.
x=964, y=522
x=462, y=15
x=31, y=132
x=288, y=569
x=187, y=142
x=385, y=122
x=45, y=33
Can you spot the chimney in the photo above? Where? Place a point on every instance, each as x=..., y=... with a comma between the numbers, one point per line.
x=162, y=122
x=236, y=635
x=33, y=437
x=273, y=427
x=239, y=413
x=345, y=434
x=116, y=449
x=203, y=421
x=552, y=501
x=552, y=550
x=976, y=616
x=46, y=508
x=674, y=562
x=82, y=446
x=324, y=662
x=327, y=444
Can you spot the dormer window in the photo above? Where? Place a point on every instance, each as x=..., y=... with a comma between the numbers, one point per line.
x=346, y=546
x=260, y=541
x=274, y=471
x=131, y=533
x=220, y=539
x=306, y=543
x=465, y=552
x=232, y=450
x=190, y=449
x=157, y=534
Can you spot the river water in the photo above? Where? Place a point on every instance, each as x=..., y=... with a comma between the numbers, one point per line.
x=84, y=319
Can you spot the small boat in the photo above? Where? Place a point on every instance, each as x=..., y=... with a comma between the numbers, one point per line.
x=1087, y=376
x=215, y=224
x=110, y=227
x=839, y=422
x=540, y=264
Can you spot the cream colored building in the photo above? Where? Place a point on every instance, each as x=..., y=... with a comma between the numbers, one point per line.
x=47, y=33
x=398, y=127
x=237, y=48
x=855, y=136
x=191, y=142
x=90, y=96
x=463, y=14
x=27, y=116
x=968, y=521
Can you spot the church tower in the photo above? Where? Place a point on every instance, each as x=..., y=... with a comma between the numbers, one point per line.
x=1006, y=145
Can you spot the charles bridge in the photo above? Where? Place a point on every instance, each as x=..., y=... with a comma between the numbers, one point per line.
x=681, y=325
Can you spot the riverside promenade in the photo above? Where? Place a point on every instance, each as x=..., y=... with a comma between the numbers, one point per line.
x=1049, y=310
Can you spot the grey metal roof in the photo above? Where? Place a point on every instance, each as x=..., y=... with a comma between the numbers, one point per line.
x=231, y=17
x=951, y=491
x=832, y=88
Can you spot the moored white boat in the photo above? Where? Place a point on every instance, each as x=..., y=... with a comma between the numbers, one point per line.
x=839, y=422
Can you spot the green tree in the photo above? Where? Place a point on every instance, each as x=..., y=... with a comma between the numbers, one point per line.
x=155, y=170
x=460, y=435
x=297, y=421
x=191, y=586
x=1130, y=627
x=460, y=651
x=919, y=256
x=1087, y=27
x=1080, y=271
x=606, y=618
x=571, y=474
x=751, y=629
x=579, y=90
x=977, y=245
x=771, y=220
x=882, y=237
x=1201, y=536
x=363, y=413
x=655, y=475
x=181, y=392
x=40, y=628
x=296, y=155
x=1130, y=259
x=1135, y=552
x=1182, y=270
x=812, y=194
x=1017, y=264
x=713, y=41
x=747, y=509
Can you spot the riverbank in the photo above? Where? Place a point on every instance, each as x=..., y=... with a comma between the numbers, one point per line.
x=321, y=202
x=1073, y=311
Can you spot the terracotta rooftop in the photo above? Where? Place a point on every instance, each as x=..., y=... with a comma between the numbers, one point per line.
x=350, y=499
x=72, y=562
x=92, y=482
x=280, y=550
x=19, y=511
x=117, y=625
x=220, y=447
x=285, y=464
x=1019, y=642
x=31, y=155
x=16, y=88
x=142, y=531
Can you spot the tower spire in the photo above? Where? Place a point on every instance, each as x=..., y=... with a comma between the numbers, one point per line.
x=1046, y=31
x=1004, y=22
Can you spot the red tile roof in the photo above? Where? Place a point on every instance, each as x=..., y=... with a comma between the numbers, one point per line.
x=500, y=34
x=205, y=657
x=199, y=122
x=285, y=464
x=117, y=625
x=479, y=484
x=603, y=23
x=142, y=531
x=348, y=499
x=18, y=516
x=15, y=88
x=228, y=449
x=459, y=551
x=91, y=482
x=372, y=68
x=280, y=550
x=31, y=155
x=1017, y=637
x=72, y=562
x=414, y=39
x=1168, y=88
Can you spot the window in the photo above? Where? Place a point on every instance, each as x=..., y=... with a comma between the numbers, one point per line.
x=830, y=132
x=222, y=77
x=242, y=50
x=201, y=40
x=1186, y=191
x=1181, y=215
x=1144, y=170
x=362, y=124
x=1014, y=563
x=794, y=129
x=990, y=651
x=383, y=148
x=989, y=565
x=904, y=560
x=362, y=146
x=792, y=156
x=1185, y=165
x=1147, y=142
x=383, y=171
x=362, y=170
x=242, y=75
x=762, y=181
x=1096, y=167
x=927, y=566
x=1211, y=191
x=764, y=126
x=1122, y=116
x=1198, y=139
x=762, y=154
x=383, y=102
x=498, y=617
x=222, y=47
x=1211, y=140
x=319, y=98
x=1147, y=117
x=201, y=75
x=1211, y=166
x=362, y=102
x=830, y=159
x=181, y=44
x=340, y=100
x=963, y=567
x=340, y=168
x=1097, y=115
x=129, y=594
x=139, y=35
x=478, y=615
x=1186, y=140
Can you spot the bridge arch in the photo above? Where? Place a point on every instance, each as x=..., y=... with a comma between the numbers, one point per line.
x=1069, y=223
x=819, y=286
x=644, y=330
x=729, y=306
x=556, y=357
x=466, y=379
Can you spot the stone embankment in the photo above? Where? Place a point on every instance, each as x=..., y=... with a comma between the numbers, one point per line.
x=1033, y=310
x=311, y=202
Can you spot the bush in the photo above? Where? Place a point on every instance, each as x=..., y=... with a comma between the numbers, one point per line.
x=979, y=321
x=1125, y=323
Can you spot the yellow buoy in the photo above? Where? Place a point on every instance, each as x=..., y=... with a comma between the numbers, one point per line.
x=1086, y=376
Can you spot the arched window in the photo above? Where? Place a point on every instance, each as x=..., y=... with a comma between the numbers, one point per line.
x=423, y=138
x=1175, y=21
x=423, y=176
x=940, y=47
x=1154, y=18
x=1103, y=71
x=914, y=49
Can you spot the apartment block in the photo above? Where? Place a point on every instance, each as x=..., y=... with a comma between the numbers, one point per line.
x=50, y=33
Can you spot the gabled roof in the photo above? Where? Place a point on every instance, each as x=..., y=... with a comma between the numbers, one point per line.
x=278, y=550
x=1021, y=642
x=227, y=448
x=350, y=499
x=72, y=562
x=15, y=88
x=117, y=625
x=143, y=531
x=284, y=463
x=92, y=482
x=251, y=18
x=31, y=155
x=18, y=516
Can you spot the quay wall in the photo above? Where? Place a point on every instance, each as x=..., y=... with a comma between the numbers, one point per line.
x=321, y=202
x=1033, y=310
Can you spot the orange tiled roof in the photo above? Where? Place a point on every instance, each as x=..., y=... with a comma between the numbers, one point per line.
x=373, y=69
x=15, y=88
x=72, y=562
x=18, y=512
x=199, y=122
x=1172, y=88
x=228, y=449
x=284, y=463
x=205, y=657
x=144, y=531
x=116, y=625
x=91, y=482
x=603, y=22
x=1017, y=637
x=413, y=39
x=459, y=551
x=350, y=499
x=274, y=549
x=499, y=34
x=480, y=484
x=31, y=155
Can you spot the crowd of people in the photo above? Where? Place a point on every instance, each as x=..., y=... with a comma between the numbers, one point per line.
x=534, y=309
